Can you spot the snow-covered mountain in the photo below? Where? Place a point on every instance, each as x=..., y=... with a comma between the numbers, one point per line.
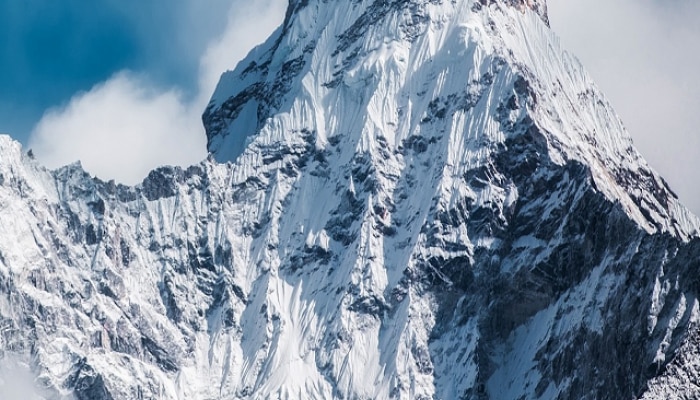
x=406, y=199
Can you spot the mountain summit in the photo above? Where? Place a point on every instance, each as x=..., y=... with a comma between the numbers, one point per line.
x=417, y=199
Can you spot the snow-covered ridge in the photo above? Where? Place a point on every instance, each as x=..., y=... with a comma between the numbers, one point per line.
x=438, y=44
x=414, y=200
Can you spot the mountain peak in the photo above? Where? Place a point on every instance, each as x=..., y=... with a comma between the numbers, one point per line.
x=329, y=41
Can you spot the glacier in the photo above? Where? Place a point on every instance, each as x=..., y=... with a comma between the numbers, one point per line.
x=404, y=199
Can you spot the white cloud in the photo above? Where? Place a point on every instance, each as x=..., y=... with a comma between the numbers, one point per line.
x=126, y=126
x=643, y=55
x=120, y=129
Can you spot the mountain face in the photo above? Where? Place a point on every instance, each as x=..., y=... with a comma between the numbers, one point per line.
x=405, y=199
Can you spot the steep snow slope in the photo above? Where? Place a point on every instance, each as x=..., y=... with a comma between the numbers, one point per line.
x=413, y=199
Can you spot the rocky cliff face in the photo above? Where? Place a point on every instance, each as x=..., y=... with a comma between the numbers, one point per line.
x=406, y=200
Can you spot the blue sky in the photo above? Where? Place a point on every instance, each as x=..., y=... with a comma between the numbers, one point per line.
x=50, y=50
